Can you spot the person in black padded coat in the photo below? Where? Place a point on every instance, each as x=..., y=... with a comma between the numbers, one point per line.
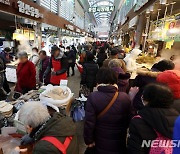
x=90, y=69
x=157, y=115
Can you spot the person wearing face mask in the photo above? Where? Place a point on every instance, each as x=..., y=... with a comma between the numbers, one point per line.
x=71, y=56
x=156, y=119
x=58, y=66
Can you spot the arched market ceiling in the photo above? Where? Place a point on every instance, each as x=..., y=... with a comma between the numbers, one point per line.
x=101, y=17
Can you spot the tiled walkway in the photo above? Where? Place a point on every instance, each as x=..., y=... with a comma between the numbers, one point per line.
x=74, y=84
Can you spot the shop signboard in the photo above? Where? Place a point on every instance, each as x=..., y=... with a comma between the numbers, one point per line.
x=166, y=30
x=26, y=33
x=29, y=10
x=140, y=4
x=78, y=30
x=133, y=21
x=101, y=9
x=6, y=2
x=31, y=35
x=70, y=27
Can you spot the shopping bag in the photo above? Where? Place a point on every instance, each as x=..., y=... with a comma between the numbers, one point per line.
x=84, y=91
x=78, y=110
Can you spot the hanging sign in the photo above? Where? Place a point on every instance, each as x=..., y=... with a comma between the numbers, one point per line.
x=133, y=21
x=29, y=10
x=6, y=2
x=78, y=30
x=101, y=9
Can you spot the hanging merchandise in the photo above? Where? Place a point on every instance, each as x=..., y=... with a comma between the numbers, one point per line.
x=169, y=44
x=167, y=30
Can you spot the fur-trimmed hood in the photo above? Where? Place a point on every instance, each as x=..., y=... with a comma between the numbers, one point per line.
x=146, y=72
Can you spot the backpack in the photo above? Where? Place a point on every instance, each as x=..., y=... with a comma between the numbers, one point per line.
x=54, y=141
x=154, y=149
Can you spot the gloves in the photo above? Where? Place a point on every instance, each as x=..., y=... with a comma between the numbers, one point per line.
x=26, y=140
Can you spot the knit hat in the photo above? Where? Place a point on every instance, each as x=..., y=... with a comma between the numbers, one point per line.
x=172, y=79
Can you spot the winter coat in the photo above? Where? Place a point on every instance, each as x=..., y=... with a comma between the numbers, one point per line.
x=101, y=57
x=26, y=77
x=176, y=105
x=176, y=135
x=109, y=131
x=42, y=68
x=59, y=127
x=160, y=119
x=2, y=70
x=143, y=78
x=71, y=56
x=88, y=76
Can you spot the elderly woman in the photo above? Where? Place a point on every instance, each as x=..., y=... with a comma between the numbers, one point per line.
x=48, y=132
x=123, y=78
x=26, y=74
x=107, y=116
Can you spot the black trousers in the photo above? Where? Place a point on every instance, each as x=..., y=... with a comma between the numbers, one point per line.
x=6, y=85
x=71, y=65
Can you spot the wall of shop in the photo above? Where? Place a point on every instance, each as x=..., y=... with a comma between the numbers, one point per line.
x=48, y=17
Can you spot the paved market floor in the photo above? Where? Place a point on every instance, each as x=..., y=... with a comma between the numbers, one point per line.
x=74, y=84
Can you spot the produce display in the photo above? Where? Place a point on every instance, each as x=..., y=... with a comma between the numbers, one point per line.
x=145, y=59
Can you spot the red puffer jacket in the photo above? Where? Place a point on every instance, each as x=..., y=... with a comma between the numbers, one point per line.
x=26, y=76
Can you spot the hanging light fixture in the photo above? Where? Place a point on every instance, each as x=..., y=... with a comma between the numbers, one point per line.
x=158, y=17
x=163, y=2
x=151, y=8
x=172, y=6
x=148, y=11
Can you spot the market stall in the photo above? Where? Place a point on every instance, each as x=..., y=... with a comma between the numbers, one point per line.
x=56, y=98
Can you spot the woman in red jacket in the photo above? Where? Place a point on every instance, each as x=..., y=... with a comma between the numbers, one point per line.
x=26, y=74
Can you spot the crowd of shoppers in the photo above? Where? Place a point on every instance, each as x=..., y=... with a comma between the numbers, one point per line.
x=119, y=115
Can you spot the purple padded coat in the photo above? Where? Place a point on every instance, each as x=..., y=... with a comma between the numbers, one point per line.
x=109, y=131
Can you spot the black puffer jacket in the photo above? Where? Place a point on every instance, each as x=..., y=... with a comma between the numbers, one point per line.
x=176, y=105
x=88, y=77
x=160, y=119
x=2, y=70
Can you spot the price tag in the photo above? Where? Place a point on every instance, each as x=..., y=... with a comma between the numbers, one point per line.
x=64, y=83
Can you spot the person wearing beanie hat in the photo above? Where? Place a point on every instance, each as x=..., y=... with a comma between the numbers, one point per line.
x=58, y=66
x=26, y=74
x=172, y=79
